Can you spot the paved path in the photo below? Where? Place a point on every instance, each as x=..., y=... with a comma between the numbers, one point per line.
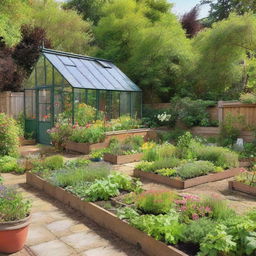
x=57, y=230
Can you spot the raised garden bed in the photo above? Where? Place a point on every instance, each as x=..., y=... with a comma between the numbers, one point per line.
x=105, y=219
x=86, y=148
x=239, y=186
x=182, y=184
x=247, y=162
x=123, y=159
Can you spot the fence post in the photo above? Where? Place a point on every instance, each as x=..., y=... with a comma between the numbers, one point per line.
x=220, y=111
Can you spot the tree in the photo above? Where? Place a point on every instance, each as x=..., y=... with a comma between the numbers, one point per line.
x=27, y=51
x=10, y=74
x=153, y=52
x=221, y=52
x=65, y=29
x=190, y=22
x=14, y=13
x=89, y=9
x=221, y=9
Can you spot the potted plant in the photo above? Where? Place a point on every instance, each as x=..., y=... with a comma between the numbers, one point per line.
x=14, y=219
x=97, y=155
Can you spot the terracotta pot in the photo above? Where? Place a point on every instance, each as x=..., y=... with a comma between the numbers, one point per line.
x=13, y=235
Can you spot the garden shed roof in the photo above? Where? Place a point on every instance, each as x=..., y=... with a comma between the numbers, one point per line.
x=89, y=73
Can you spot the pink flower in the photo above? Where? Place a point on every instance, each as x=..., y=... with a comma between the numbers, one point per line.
x=195, y=216
x=183, y=208
x=208, y=209
x=242, y=170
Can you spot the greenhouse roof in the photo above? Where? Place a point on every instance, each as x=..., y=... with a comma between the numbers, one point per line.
x=89, y=73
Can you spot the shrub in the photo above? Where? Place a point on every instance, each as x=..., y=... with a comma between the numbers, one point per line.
x=71, y=177
x=12, y=205
x=144, y=166
x=53, y=162
x=196, y=230
x=222, y=157
x=123, y=123
x=194, y=169
x=155, y=202
x=230, y=129
x=60, y=133
x=185, y=146
x=88, y=135
x=192, y=112
x=172, y=135
x=248, y=98
x=166, y=150
x=150, y=154
x=8, y=164
x=9, y=136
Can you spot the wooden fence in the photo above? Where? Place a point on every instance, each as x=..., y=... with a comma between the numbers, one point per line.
x=246, y=111
x=12, y=103
x=224, y=108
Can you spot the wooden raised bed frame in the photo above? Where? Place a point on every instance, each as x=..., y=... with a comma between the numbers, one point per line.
x=241, y=187
x=106, y=219
x=86, y=148
x=180, y=184
x=123, y=159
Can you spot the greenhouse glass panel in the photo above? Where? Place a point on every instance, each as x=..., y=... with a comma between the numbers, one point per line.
x=30, y=104
x=125, y=103
x=48, y=73
x=40, y=72
x=115, y=108
x=136, y=104
x=91, y=98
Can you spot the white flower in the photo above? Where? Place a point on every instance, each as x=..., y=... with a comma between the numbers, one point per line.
x=164, y=117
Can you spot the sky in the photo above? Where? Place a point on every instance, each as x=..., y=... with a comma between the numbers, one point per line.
x=182, y=6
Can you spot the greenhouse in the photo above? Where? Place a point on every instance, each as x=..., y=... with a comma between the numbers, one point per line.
x=61, y=81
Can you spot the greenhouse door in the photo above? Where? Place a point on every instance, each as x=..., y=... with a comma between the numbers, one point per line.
x=44, y=115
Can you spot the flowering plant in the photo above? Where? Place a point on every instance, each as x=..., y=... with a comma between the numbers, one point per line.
x=246, y=177
x=164, y=117
x=192, y=208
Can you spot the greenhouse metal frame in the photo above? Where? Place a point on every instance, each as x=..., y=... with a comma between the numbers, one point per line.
x=61, y=81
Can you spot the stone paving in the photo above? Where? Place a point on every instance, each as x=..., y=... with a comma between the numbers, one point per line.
x=57, y=230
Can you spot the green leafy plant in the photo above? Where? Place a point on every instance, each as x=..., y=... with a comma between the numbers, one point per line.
x=194, y=169
x=166, y=172
x=155, y=202
x=162, y=227
x=12, y=205
x=53, y=162
x=219, y=156
x=123, y=123
x=71, y=177
x=217, y=242
x=8, y=164
x=9, y=136
x=197, y=230
x=76, y=163
x=248, y=98
x=230, y=129
x=88, y=135
x=84, y=114
x=184, y=146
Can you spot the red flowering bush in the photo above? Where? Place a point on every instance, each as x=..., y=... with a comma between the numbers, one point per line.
x=9, y=136
x=155, y=202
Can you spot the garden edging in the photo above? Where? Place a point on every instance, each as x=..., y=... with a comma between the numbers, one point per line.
x=180, y=184
x=241, y=187
x=122, y=159
x=108, y=220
